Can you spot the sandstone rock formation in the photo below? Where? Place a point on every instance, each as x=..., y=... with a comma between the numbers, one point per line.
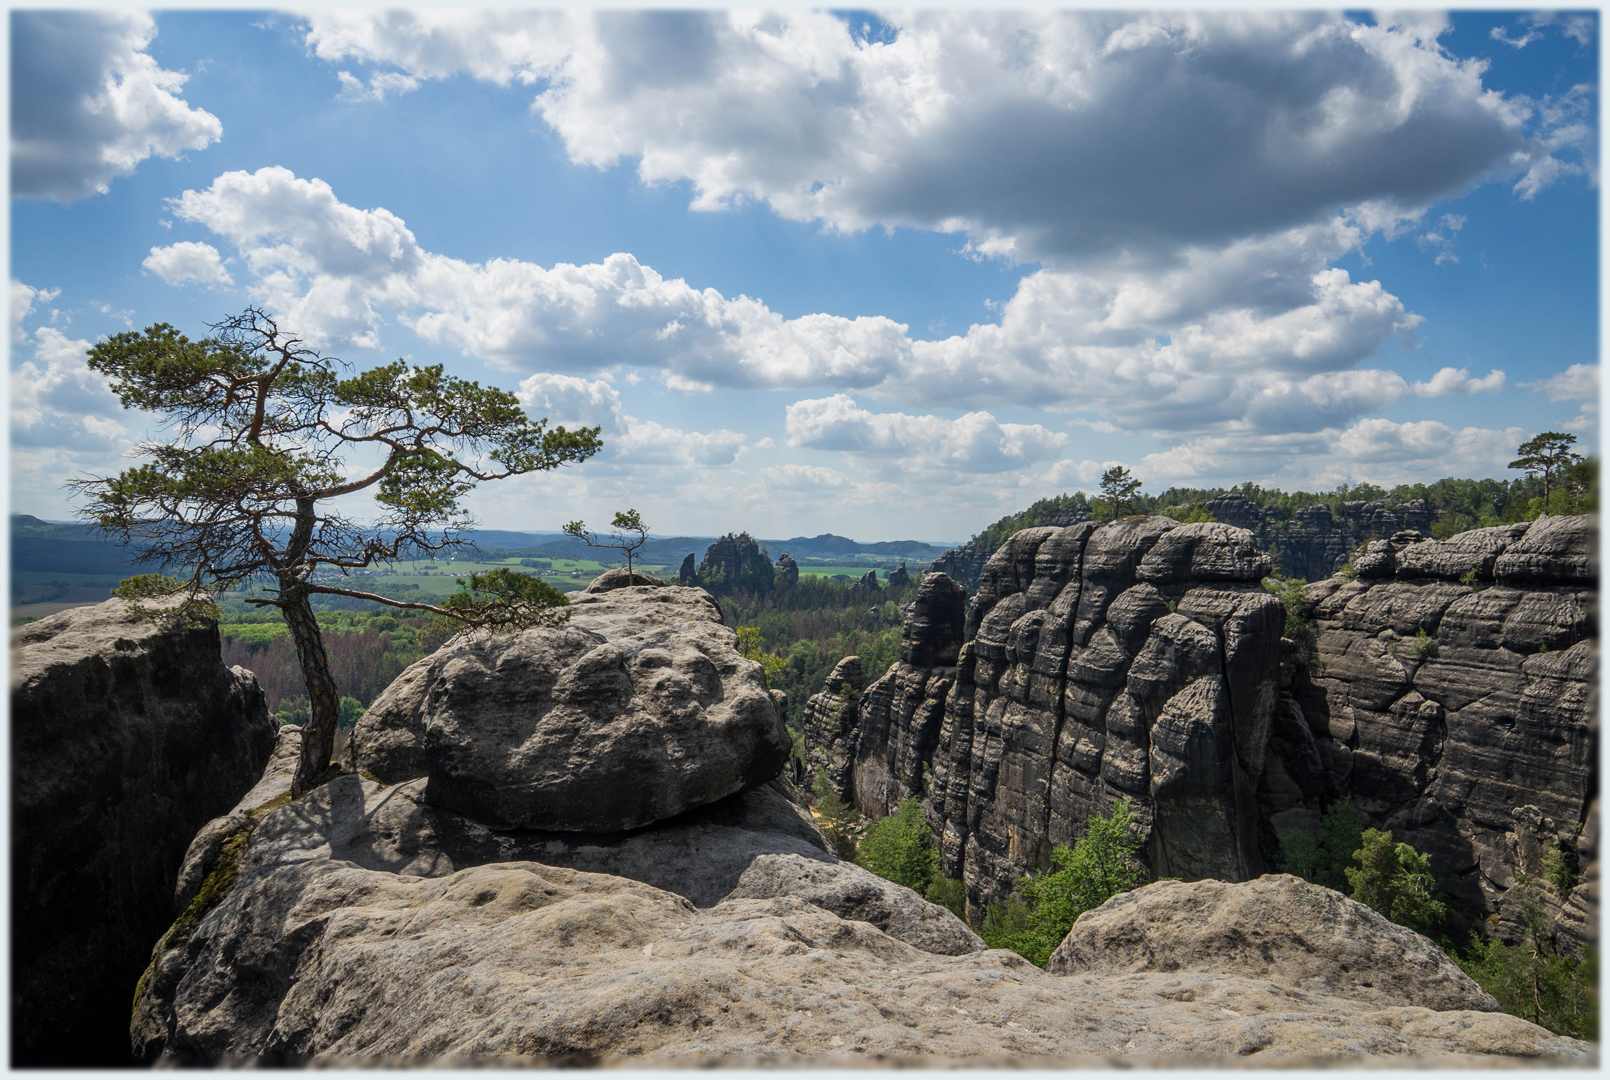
x=830, y=724
x=736, y=561
x=125, y=738
x=899, y=577
x=637, y=709
x=965, y=565
x=868, y=582
x=1142, y=659
x=688, y=573
x=367, y=923
x=1452, y=698
x=1137, y=659
x=896, y=725
x=787, y=571
x=349, y=938
x=1314, y=542
x=1277, y=927
x=621, y=578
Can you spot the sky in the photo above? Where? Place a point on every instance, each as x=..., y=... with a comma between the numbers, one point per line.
x=890, y=277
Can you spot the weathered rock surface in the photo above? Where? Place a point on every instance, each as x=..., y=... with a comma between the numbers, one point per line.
x=1140, y=660
x=1277, y=927
x=1137, y=659
x=896, y=723
x=829, y=725
x=965, y=565
x=1475, y=742
x=332, y=950
x=853, y=893
x=1315, y=541
x=125, y=738
x=621, y=578
x=637, y=709
x=787, y=571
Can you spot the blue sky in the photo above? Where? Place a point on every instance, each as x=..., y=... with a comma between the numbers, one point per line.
x=813, y=272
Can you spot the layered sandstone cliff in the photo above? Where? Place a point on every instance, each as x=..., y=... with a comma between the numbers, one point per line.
x=375, y=923
x=1447, y=693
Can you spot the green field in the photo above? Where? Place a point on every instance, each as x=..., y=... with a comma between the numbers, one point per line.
x=854, y=573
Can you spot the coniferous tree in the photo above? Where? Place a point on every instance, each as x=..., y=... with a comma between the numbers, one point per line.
x=265, y=434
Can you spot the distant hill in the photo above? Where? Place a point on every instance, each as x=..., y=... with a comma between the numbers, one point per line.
x=39, y=546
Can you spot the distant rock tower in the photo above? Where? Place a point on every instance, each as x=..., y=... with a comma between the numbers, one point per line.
x=689, y=574
x=787, y=571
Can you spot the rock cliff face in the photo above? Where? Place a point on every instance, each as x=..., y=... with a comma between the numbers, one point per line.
x=737, y=561
x=965, y=565
x=1137, y=660
x=367, y=924
x=1314, y=542
x=1450, y=693
x=125, y=738
x=1143, y=660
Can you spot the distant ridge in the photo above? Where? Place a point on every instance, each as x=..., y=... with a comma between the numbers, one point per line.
x=40, y=546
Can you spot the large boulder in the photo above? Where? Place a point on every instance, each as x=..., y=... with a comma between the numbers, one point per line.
x=1277, y=927
x=346, y=940
x=125, y=738
x=853, y=893
x=637, y=709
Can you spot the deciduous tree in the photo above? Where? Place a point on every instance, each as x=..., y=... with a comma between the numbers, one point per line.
x=265, y=435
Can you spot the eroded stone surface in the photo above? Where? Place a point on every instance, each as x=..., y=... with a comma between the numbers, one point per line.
x=1277, y=927
x=319, y=957
x=637, y=709
x=125, y=738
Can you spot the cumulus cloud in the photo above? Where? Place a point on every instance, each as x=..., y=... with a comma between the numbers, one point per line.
x=1041, y=135
x=1258, y=330
x=576, y=402
x=89, y=103
x=188, y=261
x=23, y=299
x=1379, y=451
x=1450, y=382
x=975, y=442
x=1579, y=382
x=57, y=401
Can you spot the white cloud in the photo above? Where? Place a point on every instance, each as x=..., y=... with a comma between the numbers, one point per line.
x=188, y=261
x=1383, y=452
x=575, y=402
x=380, y=84
x=1253, y=331
x=1578, y=28
x=23, y=299
x=1045, y=135
x=1449, y=382
x=89, y=103
x=810, y=478
x=974, y=442
x=57, y=401
x=1579, y=382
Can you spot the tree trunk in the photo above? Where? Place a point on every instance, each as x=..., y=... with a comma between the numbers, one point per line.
x=318, y=737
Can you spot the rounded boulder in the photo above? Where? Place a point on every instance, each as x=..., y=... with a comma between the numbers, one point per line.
x=635, y=710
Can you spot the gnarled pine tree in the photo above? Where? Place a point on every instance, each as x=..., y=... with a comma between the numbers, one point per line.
x=266, y=434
